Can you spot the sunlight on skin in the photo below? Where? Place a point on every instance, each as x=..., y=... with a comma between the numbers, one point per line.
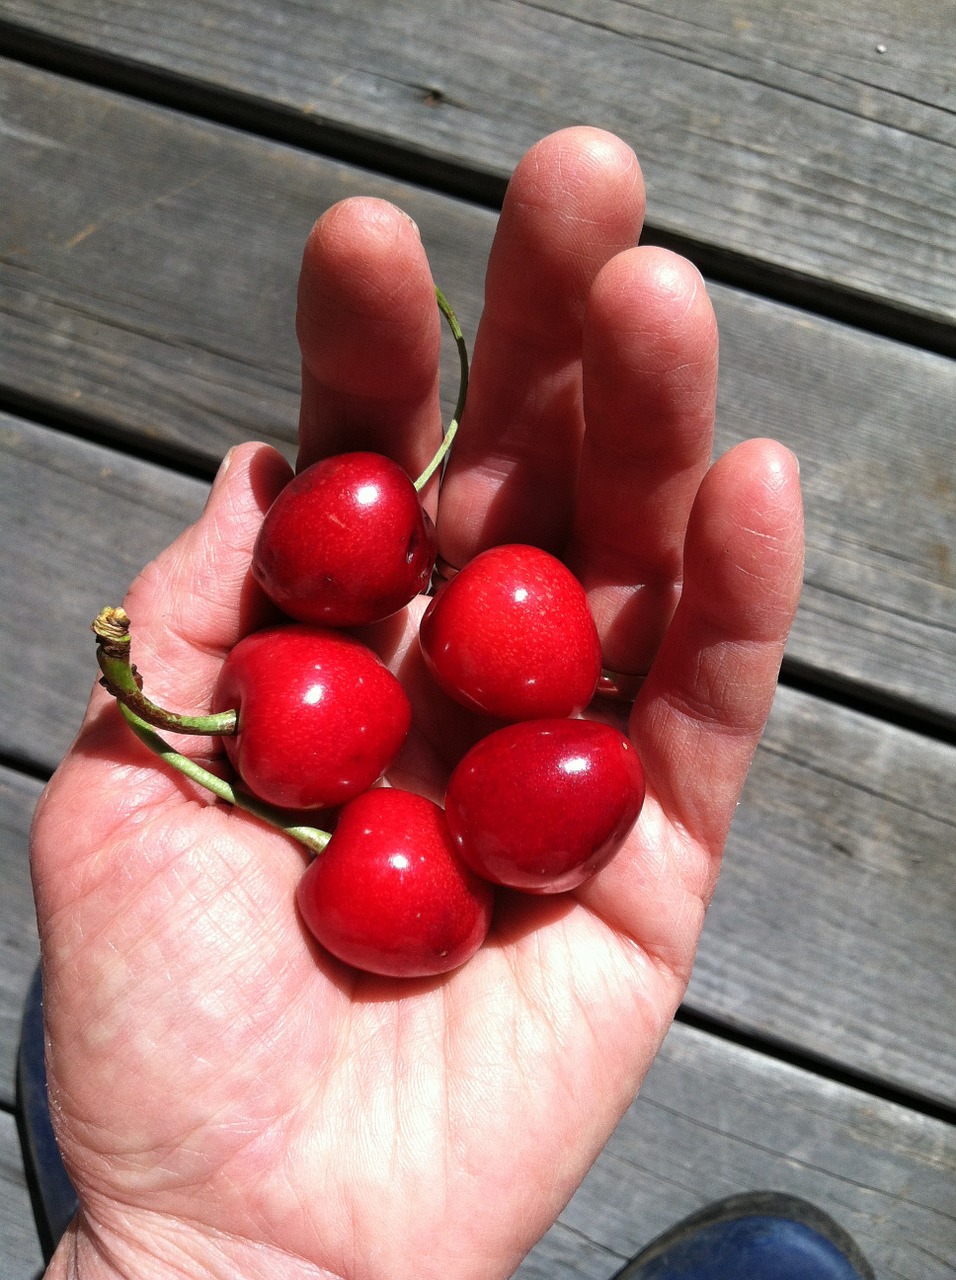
x=232, y=1101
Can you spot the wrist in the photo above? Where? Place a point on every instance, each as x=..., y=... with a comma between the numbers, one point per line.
x=85, y=1254
x=162, y=1249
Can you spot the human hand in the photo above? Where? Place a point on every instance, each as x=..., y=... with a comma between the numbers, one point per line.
x=229, y=1100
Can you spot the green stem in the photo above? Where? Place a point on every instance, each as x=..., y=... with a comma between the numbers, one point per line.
x=450, y=434
x=311, y=837
x=123, y=681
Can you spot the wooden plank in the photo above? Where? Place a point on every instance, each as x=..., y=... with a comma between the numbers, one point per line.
x=18, y=934
x=837, y=891
x=150, y=267
x=63, y=562
x=19, y=1243
x=871, y=422
x=150, y=287
x=814, y=141
x=100, y=243
x=714, y=1120
x=844, y=849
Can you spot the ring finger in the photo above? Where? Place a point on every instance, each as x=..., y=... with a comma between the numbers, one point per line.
x=650, y=382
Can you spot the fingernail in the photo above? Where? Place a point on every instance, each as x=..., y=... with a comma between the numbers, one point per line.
x=221, y=472
x=226, y=463
x=410, y=220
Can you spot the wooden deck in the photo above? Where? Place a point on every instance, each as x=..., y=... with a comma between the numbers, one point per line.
x=162, y=164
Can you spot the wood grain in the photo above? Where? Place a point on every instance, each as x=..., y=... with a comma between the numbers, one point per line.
x=186, y=360
x=18, y=934
x=871, y=423
x=834, y=922
x=20, y=1245
x=809, y=143
x=714, y=1120
x=82, y=522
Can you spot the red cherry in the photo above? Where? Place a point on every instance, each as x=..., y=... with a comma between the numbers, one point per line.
x=390, y=895
x=541, y=806
x=346, y=542
x=512, y=635
x=320, y=716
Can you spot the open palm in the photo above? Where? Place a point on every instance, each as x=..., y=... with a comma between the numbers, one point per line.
x=231, y=1101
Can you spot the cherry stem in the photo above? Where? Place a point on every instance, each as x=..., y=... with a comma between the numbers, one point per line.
x=313, y=838
x=449, y=435
x=123, y=681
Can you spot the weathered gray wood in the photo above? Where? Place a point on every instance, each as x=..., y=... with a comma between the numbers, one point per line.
x=814, y=141
x=843, y=854
x=80, y=522
x=872, y=424
x=111, y=307
x=149, y=272
x=200, y=353
x=18, y=935
x=19, y=1243
x=714, y=1120
x=834, y=922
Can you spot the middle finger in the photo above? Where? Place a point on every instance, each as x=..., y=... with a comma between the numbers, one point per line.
x=574, y=201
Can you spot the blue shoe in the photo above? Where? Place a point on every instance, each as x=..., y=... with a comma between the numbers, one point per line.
x=762, y=1235
x=51, y=1191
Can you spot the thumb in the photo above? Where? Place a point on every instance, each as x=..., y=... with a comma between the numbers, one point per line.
x=187, y=609
x=191, y=605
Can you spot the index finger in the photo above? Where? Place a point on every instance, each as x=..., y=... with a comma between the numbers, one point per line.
x=370, y=334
